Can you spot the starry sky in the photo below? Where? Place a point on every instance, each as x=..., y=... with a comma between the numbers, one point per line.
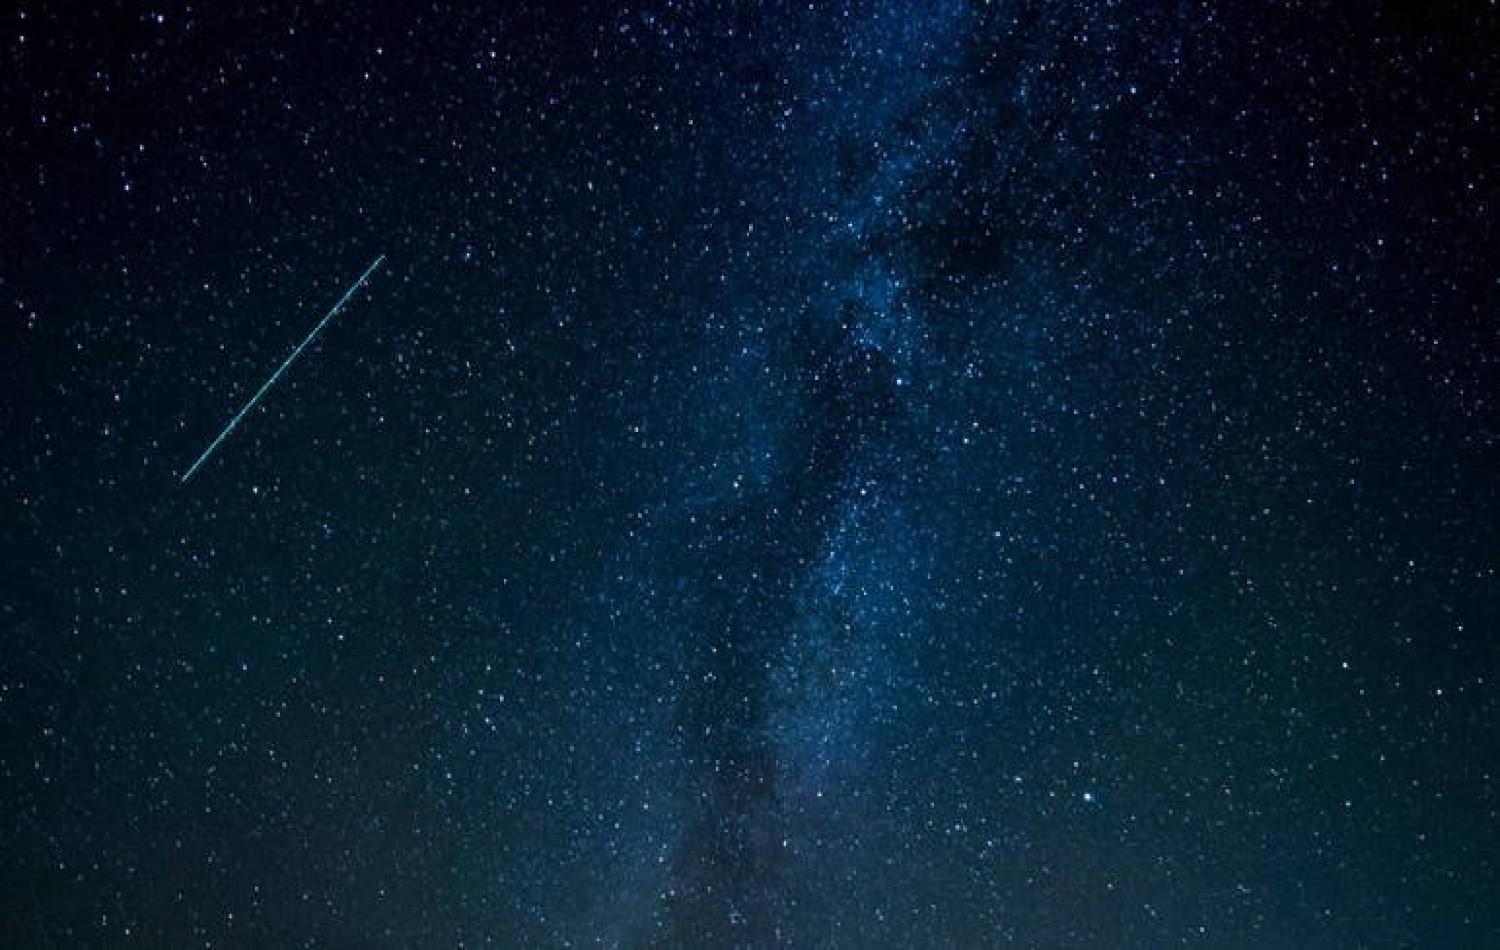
x=868, y=474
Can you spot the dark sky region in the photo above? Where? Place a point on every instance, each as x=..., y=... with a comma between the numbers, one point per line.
x=924, y=474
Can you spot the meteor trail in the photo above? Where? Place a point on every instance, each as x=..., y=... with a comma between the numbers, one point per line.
x=282, y=369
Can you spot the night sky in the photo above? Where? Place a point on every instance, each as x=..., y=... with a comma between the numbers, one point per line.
x=924, y=474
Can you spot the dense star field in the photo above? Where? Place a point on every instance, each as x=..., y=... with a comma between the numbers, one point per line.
x=923, y=474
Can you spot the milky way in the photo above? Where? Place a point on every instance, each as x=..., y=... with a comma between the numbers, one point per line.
x=881, y=474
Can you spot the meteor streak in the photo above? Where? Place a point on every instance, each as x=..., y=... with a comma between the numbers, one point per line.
x=266, y=386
